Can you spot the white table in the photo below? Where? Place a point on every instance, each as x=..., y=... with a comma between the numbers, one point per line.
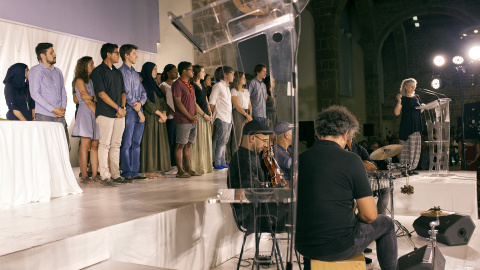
x=457, y=192
x=34, y=163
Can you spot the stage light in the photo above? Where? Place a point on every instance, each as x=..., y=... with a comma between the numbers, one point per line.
x=457, y=60
x=474, y=53
x=439, y=60
x=475, y=31
x=438, y=81
x=417, y=24
x=415, y=18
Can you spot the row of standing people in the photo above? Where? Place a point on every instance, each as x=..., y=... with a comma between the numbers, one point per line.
x=142, y=125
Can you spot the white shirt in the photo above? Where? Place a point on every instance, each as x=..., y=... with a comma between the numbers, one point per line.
x=168, y=97
x=243, y=97
x=222, y=99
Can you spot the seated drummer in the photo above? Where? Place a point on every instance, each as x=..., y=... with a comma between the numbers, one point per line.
x=330, y=180
x=370, y=165
x=382, y=194
x=247, y=170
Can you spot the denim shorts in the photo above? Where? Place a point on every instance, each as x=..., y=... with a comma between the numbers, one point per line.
x=185, y=133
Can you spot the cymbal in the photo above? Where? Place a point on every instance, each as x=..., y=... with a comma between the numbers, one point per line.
x=386, y=152
x=436, y=212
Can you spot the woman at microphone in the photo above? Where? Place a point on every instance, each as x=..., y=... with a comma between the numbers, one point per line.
x=410, y=124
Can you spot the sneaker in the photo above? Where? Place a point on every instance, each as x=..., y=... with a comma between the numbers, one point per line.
x=107, y=183
x=121, y=180
x=218, y=167
x=225, y=166
x=174, y=170
x=138, y=177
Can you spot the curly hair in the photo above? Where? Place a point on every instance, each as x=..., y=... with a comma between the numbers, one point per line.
x=81, y=70
x=335, y=121
x=406, y=82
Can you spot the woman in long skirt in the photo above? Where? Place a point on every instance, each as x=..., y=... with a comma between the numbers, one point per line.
x=154, y=148
x=201, y=150
x=242, y=110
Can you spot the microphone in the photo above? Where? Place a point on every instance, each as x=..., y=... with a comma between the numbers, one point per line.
x=427, y=92
x=431, y=92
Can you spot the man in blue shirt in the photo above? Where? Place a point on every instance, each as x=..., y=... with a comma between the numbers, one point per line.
x=258, y=94
x=283, y=131
x=47, y=87
x=134, y=119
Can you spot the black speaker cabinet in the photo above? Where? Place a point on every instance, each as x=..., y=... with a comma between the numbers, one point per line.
x=420, y=259
x=454, y=230
x=368, y=130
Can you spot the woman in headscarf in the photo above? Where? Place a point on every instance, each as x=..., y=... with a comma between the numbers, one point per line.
x=20, y=104
x=154, y=149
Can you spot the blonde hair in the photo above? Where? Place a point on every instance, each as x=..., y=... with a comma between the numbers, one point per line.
x=405, y=82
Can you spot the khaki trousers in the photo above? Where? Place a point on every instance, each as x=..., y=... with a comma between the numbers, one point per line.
x=111, y=133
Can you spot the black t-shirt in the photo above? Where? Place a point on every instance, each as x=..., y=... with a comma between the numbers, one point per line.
x=201, y=97
x=329, y=178
x=411, y=117
x=246, y=171
x=109, y=81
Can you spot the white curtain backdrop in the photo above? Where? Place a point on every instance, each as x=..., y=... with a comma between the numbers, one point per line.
x=17, y=45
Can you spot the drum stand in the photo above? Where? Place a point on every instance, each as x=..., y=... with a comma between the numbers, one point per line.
x=433, y=239
x=400, y=227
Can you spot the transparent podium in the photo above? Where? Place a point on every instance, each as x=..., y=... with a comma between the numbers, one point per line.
x=217, y=29
x=437, y=115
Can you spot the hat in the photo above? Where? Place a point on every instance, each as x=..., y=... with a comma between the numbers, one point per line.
x=281, y=127
x=255, y=127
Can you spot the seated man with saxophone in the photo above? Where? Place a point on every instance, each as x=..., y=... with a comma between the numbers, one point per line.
x=247, y=169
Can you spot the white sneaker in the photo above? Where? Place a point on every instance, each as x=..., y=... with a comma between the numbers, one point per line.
x=174, y=170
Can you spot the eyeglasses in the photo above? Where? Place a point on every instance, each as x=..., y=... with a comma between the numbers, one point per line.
x=263, y=140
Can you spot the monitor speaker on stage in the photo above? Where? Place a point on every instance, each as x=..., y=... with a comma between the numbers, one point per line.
x=306, y=132
x=421, y=259
x=454, y=230
x=368, y=130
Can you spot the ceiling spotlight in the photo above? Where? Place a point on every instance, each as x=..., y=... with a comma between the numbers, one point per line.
x=457, y=60
x=417, y=24
x=475, y=31
x=415, y=18
x=474, y=53
x=439, y=60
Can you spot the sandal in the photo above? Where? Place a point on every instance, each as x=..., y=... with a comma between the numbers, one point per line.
x=192, y=173
x=183, y=175
x=97, y=178
x=86, y=180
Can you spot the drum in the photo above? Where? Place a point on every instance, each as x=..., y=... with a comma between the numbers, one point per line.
x=378, y=181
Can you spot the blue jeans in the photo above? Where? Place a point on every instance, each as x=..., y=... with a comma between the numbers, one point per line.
x=221, y=133
x=382, y=231
x=260, y=119
x=130, y=148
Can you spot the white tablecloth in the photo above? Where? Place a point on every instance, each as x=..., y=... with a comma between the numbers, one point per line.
x=34, y=163
x=456, y=192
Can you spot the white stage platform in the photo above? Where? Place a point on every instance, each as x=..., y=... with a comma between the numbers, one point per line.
x=457, y=192
x=164, y=223
x=157, y=224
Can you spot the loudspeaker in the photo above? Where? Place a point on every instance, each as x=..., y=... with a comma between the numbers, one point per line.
x=306, y=132
x=420, y=259
x=454, y=230
x=368, y=130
